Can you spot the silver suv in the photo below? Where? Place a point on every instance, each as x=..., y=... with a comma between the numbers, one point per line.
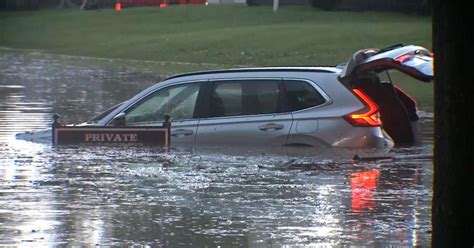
x=344, y=106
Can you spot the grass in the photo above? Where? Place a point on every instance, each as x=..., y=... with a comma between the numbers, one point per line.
x=224, y=35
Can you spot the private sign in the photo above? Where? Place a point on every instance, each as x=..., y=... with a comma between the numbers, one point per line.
x=72, y=135
x=111, y=135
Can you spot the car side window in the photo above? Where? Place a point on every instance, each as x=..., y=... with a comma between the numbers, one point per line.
x=301, y=95
x=178, y=101
x=245, y=97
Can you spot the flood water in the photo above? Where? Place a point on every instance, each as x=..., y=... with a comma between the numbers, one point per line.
x=187, y=197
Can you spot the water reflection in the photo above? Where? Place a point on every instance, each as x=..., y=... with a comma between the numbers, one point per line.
x=363, y=185
x=187, y=197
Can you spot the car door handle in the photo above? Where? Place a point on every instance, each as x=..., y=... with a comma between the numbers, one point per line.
x=182, y=132
x=270, y=127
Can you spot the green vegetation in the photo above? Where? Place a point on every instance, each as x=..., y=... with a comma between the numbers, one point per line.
x=215, y=34
x=224, y=35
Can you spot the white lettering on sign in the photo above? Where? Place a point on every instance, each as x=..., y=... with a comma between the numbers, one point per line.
x=88, y=137
x=111, y=137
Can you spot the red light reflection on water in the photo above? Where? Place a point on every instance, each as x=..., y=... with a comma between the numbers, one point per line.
x=363, y=184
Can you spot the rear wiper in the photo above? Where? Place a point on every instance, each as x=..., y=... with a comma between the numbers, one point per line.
x=390, y=48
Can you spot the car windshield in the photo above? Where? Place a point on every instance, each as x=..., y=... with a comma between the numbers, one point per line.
x=100, y=116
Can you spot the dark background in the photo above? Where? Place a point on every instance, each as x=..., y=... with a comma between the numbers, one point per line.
x=407, y=6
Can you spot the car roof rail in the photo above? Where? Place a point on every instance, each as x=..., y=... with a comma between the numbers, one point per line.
x=257, y=69
x=341, y=65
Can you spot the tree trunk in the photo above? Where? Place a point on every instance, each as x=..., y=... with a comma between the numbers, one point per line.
x=83, y=5
x=453, y=185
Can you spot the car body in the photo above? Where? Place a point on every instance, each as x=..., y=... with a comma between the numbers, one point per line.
x=252, y=106
x=284, y=106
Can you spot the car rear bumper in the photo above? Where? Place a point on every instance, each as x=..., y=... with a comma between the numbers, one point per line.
x=365, y=138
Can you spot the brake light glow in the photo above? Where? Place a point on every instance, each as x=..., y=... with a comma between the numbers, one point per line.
x=369, y=116
x=403, y=58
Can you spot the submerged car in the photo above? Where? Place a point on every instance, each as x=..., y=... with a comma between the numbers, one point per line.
x=342, y=106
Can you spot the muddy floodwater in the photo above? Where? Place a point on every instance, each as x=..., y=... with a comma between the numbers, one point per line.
x=188, y=197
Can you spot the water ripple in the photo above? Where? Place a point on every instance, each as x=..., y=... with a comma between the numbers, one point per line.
x=127, y=196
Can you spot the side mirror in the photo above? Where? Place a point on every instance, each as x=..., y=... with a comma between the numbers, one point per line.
x=118, y=120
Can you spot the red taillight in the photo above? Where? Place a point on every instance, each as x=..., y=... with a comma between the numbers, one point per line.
x=369, y=116
x=118, y=7
x=404, y=58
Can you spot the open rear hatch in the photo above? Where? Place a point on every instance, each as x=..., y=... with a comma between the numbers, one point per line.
x=398, y=110
x=415, y=61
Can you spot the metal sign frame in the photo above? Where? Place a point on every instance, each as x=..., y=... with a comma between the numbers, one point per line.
x=111, y=135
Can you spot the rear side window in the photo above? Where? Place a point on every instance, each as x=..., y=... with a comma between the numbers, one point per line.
x=246, y=97
x=301, y=95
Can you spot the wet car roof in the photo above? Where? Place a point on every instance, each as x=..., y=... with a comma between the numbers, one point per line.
x=321, y=69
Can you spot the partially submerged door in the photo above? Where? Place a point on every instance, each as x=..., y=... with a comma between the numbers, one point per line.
x=179, y=101
x=244, y=112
